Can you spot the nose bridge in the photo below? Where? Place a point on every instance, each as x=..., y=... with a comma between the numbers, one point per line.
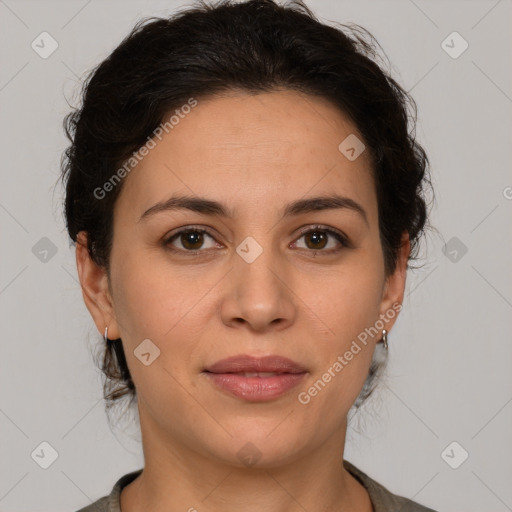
x=258, y=292
x=255, y=268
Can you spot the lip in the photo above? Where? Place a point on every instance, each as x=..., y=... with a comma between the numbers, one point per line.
x=230, y=376
x=246, y=363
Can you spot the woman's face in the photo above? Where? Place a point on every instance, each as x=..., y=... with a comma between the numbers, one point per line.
x=255, y=284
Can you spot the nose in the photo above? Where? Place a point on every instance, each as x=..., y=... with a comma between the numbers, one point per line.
x=259, y=295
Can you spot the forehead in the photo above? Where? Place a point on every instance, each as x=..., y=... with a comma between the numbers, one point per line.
x=251, y=150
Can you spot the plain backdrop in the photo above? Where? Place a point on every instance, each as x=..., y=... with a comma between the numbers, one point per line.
x=448, y=388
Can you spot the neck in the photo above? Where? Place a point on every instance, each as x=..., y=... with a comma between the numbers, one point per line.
x=177, y=478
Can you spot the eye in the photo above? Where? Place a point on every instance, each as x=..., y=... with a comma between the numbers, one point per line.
x=191, y=240
x=319, y=237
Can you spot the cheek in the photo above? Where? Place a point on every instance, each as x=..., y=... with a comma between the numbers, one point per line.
x=348, y=301
x=151, y=302
x=167, y=309
x=345, y=339
x=150, y=299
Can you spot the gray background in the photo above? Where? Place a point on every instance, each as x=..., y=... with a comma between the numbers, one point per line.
x=449, y=377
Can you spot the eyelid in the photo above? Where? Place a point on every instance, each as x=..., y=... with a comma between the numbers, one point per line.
x=321, y=227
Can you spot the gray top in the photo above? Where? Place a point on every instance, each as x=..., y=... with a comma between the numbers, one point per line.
x=382, y=500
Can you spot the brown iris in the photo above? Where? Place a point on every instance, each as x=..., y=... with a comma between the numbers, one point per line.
x=192, y=240
x=316, y=236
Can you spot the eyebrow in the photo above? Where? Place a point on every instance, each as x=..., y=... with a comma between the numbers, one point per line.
x=208, y=207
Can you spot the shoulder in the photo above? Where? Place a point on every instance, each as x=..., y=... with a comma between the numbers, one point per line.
x=382, y=499
x=111, y=502
x=100, y=505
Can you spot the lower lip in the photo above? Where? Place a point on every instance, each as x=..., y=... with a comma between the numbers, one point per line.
x=256, y=389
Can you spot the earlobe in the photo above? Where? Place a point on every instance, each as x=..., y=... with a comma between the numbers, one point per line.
x=94, y=283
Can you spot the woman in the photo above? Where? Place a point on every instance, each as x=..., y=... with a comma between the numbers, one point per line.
x=246, y=195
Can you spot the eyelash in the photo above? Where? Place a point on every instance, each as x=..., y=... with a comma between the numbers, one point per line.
x=191, y=229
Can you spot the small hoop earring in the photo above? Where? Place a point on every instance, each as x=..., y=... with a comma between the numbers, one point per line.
x=105, y=335
x=385, y=338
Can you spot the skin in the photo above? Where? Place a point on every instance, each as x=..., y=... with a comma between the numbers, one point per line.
x=253, y=154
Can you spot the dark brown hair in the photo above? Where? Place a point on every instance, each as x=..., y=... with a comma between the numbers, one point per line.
x=254, y=46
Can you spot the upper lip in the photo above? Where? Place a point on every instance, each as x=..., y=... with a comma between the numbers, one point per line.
x=245, y=363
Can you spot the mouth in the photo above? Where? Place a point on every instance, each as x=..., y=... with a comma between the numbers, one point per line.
x=261, y=375
x=255, y=379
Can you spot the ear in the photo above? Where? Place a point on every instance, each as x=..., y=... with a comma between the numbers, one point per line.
x=394, y=288
x=95, y=289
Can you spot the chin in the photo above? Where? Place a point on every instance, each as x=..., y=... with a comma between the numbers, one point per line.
x=259, y=447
